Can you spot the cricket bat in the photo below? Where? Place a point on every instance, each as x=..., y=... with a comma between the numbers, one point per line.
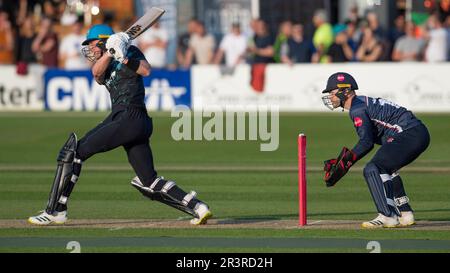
x=144, y=23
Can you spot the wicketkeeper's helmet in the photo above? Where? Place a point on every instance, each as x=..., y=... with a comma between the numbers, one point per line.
x=342, y=81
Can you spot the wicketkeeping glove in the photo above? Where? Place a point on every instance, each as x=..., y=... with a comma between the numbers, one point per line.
x=335, y=169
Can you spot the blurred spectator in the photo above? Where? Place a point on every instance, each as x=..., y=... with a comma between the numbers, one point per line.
x=251, y=39
x=297, y=49
x=374, y=24
x=251, y=31
x=381, y=35
x=201, y=45
x=23, y=50
x=408, y=48
x=153, y=44
x=233, y=46
x=399, y=29
x=262, y=47
x=353, y=16
x=353, y=35
x=6, y=39
x=45, y=45
x=323, y=36
x=436, y=50
x=340, y=51
x=70, y=49
x=183, y=42
x=283, y=35
x=53, y=9
x=370, y=49
x=447, y=24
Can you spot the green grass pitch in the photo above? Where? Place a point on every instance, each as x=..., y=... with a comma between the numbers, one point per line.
x=239, y=182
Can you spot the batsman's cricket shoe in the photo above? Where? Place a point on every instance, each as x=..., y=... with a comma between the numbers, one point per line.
x=407, y=219
x=382, y=222
x=204, y=214
x=45, y=219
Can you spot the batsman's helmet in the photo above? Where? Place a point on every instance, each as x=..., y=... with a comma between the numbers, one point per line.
x=341, y=80
x=98, y=32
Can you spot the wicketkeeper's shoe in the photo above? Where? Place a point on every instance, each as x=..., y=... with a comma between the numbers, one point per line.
x=204, y=214
x=382, y=222
x=407, y=219
x=45, y=219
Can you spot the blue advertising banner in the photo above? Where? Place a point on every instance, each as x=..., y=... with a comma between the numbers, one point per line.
x=78, y=91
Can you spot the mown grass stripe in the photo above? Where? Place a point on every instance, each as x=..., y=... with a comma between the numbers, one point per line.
x=208, y=168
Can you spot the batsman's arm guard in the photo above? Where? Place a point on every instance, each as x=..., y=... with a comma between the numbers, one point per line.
x=159, y=191
x=64, y=174
x=335, y=169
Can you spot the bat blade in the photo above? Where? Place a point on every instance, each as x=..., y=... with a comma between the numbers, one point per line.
x=145, y=22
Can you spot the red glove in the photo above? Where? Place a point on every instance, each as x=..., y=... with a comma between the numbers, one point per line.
x=335, y=169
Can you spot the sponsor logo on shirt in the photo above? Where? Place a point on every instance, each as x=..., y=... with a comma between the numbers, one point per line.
x=358, y=122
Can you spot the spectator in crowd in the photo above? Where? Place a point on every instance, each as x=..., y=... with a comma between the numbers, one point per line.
x=283, y=35
x=251, y=39
x=323, y=36
x=436, y=50
x=233, y=46
x=251, y=32
x=370, y=49
x=6, y=39
x=340, y=51
x=53, y=9
x=45, y=45
x=24, y=41
x=353, y=35
x=262, y=47
x=353, y=16
x=297, y=49
x=381, y=35
x=183, y=42
x=262, y=52
x=394, y=34
x=70, y=49
x=201, y=46
x=399, y=29
x=447, y=24
x=153, y=44
x=408, y=48
x=374, y=25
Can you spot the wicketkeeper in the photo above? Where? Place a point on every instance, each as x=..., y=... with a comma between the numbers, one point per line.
x=402, y=137
x=120, y=67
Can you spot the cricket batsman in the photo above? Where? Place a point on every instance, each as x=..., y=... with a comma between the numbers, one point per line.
x=120, y=67
x=403, y=138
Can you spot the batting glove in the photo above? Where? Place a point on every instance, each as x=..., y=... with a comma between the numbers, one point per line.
x=117, y=45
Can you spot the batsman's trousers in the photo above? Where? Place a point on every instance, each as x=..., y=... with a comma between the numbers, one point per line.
x=129, y=127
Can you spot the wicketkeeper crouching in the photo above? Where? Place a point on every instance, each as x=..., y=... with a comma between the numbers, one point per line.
x=402, y=137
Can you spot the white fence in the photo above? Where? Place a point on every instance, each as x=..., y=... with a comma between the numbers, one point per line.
x=419, y=87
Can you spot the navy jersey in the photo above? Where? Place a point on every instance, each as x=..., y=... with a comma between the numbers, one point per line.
x=378, y=121
x=125, y=86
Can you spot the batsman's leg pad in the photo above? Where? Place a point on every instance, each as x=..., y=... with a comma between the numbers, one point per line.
x=167, y=192
x=400, y=197
x=381, y=189
x=65, y=178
